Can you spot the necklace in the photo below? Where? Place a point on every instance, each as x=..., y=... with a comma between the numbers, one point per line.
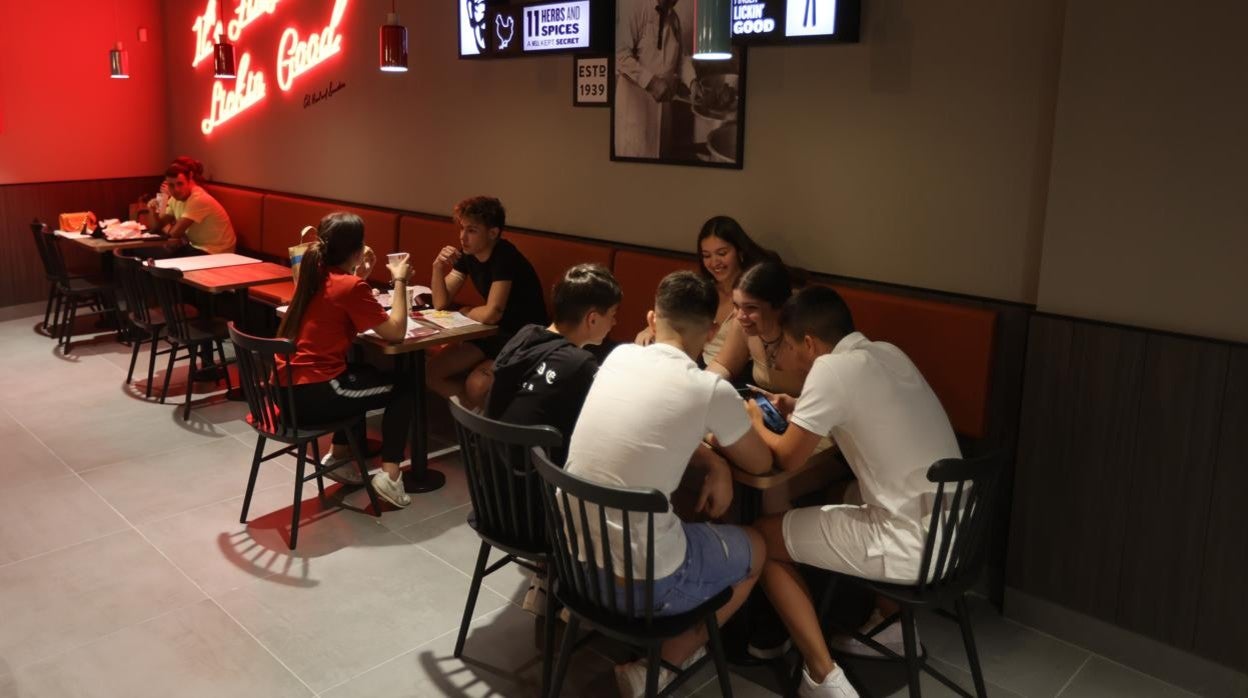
x=770, y=348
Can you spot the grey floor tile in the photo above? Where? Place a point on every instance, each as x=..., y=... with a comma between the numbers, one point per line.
x=889, y=680
x=355, y=609
x=192, y=652
x=489, y=666
x=55, y=602
x=449, y=537
x=26, y=458
x=153, y=487
x=211, y=546
x=1013, y=657
x=97, y=435
x=1101, y=678
x=40, y=516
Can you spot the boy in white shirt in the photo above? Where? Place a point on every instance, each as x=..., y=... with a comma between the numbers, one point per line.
x=872, y=401
x=643, y=421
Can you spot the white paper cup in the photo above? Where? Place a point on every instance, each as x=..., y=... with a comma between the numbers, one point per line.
x=396, y=257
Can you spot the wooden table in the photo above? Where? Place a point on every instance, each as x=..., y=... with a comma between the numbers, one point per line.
x=105, y=246
x=234, y=279
x=409, y=359
x=821, y=468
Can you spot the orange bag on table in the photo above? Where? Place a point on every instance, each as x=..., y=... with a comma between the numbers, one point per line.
x=73, y=222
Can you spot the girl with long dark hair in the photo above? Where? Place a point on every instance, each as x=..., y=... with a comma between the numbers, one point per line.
x=726, y=251
x=333, y=303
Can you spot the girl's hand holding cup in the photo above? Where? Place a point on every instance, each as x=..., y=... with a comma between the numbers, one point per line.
x=396, y=262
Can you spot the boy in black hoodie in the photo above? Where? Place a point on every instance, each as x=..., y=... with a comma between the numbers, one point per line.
x=541, y=376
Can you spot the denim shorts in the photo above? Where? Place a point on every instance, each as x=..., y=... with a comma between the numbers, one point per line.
x=716, y=557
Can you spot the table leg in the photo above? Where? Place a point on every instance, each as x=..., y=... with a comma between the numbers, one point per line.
x=420, y=477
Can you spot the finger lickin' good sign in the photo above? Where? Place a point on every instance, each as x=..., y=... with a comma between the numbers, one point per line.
x=297, y=54
x=793, y=21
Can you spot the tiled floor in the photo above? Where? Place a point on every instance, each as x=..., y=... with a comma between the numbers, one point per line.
x=124, y=571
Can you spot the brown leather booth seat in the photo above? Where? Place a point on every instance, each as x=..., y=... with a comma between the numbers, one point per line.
x=951, y=344
x=639, y=274
x=551, y=257
x=245, y=208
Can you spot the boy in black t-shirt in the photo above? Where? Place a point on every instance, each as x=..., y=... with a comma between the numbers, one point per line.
x=542, y=374
x=503, y=277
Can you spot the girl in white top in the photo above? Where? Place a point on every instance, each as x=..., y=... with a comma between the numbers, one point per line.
x=755, y=334
x=726, y=251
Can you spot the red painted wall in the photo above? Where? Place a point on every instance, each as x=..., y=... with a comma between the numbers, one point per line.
x=61, y=116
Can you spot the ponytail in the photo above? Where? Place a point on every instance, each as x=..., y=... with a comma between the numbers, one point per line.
x=312, y=273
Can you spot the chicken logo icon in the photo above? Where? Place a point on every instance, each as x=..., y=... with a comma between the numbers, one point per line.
x=504, y=29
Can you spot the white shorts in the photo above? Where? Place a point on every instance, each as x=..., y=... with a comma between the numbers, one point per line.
x=837, y=537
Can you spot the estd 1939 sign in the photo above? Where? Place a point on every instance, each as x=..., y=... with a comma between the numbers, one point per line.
x=590, y=83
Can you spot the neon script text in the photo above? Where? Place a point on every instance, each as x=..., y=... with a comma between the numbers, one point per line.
x=297, y=56
x=249, y=89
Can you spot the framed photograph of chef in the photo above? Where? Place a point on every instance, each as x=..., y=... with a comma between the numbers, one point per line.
x=668, y=108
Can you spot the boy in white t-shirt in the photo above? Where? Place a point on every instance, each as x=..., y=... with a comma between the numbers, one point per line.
x=872, y=401
x=642, y=424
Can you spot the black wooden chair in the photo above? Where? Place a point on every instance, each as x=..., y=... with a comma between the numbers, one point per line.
x=36, y=229
x=70, y=292
x=273, y=417
x=506, y=505
x=954, y=555
x=588, y=588
x=184, y=331
x=147, y=321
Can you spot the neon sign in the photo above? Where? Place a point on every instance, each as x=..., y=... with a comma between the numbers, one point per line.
x=207, y=30
x=296, y=57
x=248, y=11
x=249, y=89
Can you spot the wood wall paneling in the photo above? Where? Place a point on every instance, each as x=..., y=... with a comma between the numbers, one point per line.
x=1041, y=445
x=23, y=279
x=1222, y=611
x=1170, y=485
x=1082, y=387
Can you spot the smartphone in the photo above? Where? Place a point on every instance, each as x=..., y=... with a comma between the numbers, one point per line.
x=772, y=419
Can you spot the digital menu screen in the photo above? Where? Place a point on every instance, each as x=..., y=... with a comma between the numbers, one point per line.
x=491, y=29
x=558, y=25
x=795, y=21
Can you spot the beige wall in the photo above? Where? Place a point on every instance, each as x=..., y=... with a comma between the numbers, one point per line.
x=919, y=156
x=1148, y=211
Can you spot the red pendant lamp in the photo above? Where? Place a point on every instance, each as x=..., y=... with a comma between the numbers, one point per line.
x=393, y=44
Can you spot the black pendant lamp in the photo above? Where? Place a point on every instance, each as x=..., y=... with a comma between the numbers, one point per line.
x=393, y=44
x=222, y=50
x=712, y=32
x=118, y=59
x=118, y=63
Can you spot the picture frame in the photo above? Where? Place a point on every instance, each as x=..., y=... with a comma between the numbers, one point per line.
x=586, y=80
x=691, y=112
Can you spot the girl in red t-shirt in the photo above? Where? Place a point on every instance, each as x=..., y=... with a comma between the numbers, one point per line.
x=332, y=305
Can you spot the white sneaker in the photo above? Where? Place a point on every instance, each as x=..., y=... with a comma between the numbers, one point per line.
x=891, y=637
x=391, y=490
x=346, y=472
x=535, y=598
x=834, y=685
x=630, y=678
